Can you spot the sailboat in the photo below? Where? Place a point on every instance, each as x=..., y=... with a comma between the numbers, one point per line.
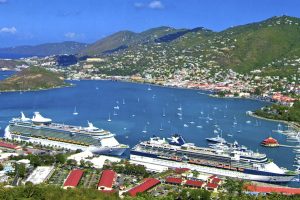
x=149, y=88
x=123, y=102
x=179, y=108
x=109, y=120
x=164, y=113
x=161, y=128
x=145, y=130
x=115, y=113
x=75, y=112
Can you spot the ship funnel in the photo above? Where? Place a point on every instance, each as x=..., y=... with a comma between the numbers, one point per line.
x=23, y=117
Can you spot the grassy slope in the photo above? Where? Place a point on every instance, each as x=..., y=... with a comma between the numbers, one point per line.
x=33, y=78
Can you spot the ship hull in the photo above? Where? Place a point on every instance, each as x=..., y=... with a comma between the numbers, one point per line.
x=146, y=161
x=113, y=151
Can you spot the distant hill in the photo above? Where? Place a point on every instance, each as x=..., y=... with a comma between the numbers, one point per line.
x=43, y=49
x=125, y=39
x=33, y=78
x=272, y=44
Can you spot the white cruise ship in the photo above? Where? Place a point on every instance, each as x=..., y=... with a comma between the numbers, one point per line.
x=41, y=130
x=222, y=160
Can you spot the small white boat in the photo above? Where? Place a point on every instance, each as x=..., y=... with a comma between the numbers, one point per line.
x=179, y=108
x=164, y=113
x=116, y=107
x=199, y=126
x=192, y=122
x=123, y=102
x=115, y=113
x=75, y=112
x=185, y=125
x=149, y=88
x=161, y=128
x=248, y=122
x=145, y=130
x=109, y=119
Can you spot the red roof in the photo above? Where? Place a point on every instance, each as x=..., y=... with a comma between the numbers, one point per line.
x=194, y=183
x=173, y=180
x=181, y=170
x=146, y=185
x=216, y=180
x=73, y=178
x=270, y=140
x=8, y=145
x=211, y=185
x=264, y=189
x=107, y=178
x=212, y=177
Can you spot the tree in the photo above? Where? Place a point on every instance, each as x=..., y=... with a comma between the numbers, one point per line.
x=1, y=167
x=20, y=170
x=60, y=158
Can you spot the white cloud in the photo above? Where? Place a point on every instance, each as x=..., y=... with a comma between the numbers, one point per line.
x=70, y=35
x=11, y=30
x=73, y=35
x=156, y=5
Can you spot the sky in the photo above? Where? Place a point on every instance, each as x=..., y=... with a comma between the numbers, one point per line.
x=30, y=22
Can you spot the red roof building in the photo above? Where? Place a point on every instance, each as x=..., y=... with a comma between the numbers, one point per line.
x=193, y=183
x=173, y=180
x=265, y=189
x=211, y=186
x=270, y=142
x=9, y=145
x=181, y=170
x=73, y=178
x=146, y=185
x=107, y=180
x=216, y=181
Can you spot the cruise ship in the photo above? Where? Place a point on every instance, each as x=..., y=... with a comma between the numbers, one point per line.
x=228, y=160
x=41, y=130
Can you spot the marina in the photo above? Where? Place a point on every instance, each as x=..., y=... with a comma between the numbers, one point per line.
x=143, y=116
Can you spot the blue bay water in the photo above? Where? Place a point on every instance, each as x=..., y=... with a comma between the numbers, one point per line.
x=143, y=109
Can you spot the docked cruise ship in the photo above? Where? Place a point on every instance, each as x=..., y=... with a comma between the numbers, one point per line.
x=228, y=160
x=41, y=130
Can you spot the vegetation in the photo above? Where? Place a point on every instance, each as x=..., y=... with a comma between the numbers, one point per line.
x=127, y=168
x=33, y=78
x=281, y=112
x=51, y=192
x=40, y=160
x=272, y=45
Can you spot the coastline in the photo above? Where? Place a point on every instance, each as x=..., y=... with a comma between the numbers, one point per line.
x=294, y=125
x=36, y=90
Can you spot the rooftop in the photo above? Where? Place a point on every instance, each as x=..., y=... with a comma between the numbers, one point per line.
x=73, y=178
x=107, y=178
x=146, y=185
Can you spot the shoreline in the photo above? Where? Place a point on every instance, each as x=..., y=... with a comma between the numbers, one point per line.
x=294, y=125
x=37, y=90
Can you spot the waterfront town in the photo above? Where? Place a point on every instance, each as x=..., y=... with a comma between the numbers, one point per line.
x=284, y=89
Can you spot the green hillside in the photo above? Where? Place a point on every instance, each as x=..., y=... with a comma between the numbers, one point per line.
x=272, y=45
x=32, y=78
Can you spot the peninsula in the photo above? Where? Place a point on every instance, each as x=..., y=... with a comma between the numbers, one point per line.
x=33, y=78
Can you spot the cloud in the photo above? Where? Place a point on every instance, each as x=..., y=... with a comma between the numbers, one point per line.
x=11, y=30
x=156, y=5
x=73, y=35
